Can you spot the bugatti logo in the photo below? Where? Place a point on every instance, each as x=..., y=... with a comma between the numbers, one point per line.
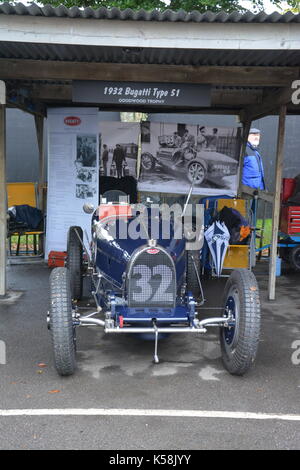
x=153, y=251
x=72, y=121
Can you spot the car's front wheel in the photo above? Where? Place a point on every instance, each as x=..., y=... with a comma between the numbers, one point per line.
x=75, y=261
x=147, y=161
x=196, y=172
x=239, y=341
x=61, y=322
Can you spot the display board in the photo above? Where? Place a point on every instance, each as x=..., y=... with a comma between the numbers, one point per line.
x=170, y=158
x=175, y=155
x=73, y=168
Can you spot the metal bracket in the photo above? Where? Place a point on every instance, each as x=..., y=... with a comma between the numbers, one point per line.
x=155, y=358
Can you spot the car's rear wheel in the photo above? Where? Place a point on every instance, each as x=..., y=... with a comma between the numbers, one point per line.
x=294, y=258
x=147, y=161
x=75, y=261
x=239, y=341
x=196, y=172
x=61, y=322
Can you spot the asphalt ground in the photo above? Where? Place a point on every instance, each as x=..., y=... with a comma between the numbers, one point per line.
x=135, y=404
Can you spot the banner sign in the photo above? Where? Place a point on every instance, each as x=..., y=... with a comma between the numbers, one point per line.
x=73, y=168
x=141, y=93
x=175, y=155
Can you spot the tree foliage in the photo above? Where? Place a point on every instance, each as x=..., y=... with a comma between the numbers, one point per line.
x=187, y=5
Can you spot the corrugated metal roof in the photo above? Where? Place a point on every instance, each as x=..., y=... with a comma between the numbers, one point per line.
x=195, y=57
x=143, y=15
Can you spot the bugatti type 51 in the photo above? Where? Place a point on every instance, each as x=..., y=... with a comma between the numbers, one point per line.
x=145, y=285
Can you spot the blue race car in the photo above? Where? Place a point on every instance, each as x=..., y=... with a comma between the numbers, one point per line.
x=147, y=284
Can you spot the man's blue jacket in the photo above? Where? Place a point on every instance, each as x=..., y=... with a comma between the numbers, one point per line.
x=253, y=170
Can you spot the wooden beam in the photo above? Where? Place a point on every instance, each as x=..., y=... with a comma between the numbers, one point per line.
x=3, y=197
x=41, y=92
x=276, y=202
x=246, y=191
x=39, y=126
x=256, y=36
x=238, y=98
x=246, y=128
x=270, y=103
x=20, y=69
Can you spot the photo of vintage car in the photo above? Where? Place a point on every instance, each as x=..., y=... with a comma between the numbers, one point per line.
x=145, y=285
x=195, y=165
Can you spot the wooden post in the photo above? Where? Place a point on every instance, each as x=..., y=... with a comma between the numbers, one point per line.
x=39, y=126
x=276, y=201
x=3, y=196
x=246, y=129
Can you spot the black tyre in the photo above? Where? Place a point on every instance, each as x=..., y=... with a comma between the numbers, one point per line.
x=147, y=161
x=196, y=172
x=61, y=322
x=192, y=262
x=294, y=258
x=239, y=343
x=75, y=261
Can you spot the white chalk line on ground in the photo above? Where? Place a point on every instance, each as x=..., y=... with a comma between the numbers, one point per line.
x=148, y=413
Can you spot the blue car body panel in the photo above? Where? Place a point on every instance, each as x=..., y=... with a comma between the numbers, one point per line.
x=113, y=256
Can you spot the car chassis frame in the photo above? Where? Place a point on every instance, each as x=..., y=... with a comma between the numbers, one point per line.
x=114, y=323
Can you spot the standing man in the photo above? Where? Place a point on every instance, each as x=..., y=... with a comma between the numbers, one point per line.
x=253, y=170
x=201, y=139
x=119, y=158
x=105, y=159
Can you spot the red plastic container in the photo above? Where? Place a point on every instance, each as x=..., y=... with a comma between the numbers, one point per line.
x=57, y=259
x=288, y=185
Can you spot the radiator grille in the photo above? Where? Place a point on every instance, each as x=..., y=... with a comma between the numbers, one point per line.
x=152, y=280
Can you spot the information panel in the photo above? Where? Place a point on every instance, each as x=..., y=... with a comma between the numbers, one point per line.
x=73, y=167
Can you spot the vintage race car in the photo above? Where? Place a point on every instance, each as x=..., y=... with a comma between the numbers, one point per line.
x=145, y=285
x=197, y=166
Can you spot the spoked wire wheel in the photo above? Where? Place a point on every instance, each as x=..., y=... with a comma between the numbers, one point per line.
x=196, y=172
x=147, y=161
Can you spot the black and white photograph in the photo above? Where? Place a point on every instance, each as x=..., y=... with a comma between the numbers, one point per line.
x=85, y=191
x=86, y=175
x=176, y=155
x=145, y=132
x=119, y=149
x=86, y=150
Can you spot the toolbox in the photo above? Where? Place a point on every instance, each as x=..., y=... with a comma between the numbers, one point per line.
x=290, y=220
x=57, y=259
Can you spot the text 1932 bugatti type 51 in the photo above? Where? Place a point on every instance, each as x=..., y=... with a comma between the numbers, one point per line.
x=145, y=285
